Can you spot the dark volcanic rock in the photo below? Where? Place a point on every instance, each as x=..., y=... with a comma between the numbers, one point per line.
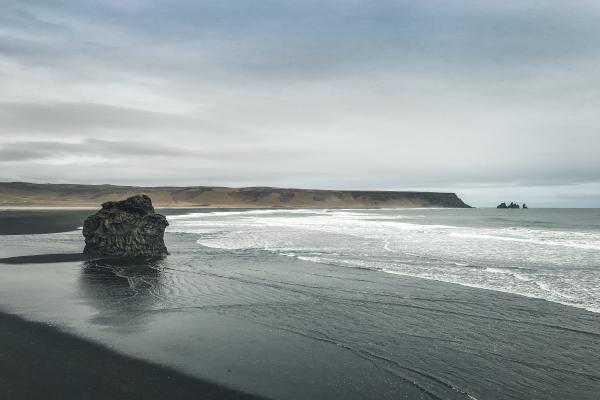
x=126, y=228
x=511, y=205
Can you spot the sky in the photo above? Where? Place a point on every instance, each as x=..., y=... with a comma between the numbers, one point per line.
x=494, y=100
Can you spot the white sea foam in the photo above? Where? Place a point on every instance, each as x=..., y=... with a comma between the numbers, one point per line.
x=556, y=265
x=539, y=238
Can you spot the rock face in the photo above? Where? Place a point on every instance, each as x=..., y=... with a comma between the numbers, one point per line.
x=126, y=228
x=511, y=205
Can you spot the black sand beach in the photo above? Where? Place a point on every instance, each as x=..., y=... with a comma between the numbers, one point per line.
x=277, y=326
x=38, y=361
x=29, y=222
x=41, y=221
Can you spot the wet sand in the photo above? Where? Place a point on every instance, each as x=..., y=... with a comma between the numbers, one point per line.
x=38, y=361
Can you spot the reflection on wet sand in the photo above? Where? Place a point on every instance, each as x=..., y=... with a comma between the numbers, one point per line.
x=121, y=290
x=45, y=258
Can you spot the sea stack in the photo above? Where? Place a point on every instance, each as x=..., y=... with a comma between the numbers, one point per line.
x=128, y=228
x=511, y=205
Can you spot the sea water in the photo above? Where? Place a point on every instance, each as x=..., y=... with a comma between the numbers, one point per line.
x=552, y=254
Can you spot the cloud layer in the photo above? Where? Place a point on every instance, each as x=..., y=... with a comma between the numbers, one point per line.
x=488, y=99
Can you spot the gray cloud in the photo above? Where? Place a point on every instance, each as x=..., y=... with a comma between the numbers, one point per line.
x=45, y=150
x=77, y=117
x=119, y=150
x=496, y=96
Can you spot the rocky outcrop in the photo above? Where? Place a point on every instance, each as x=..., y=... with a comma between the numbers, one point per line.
x=511, y=205
x=126, y=228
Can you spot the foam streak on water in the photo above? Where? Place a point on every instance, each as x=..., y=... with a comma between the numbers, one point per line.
x=547, y=254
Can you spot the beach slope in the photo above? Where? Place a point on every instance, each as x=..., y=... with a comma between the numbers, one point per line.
x=38, y=361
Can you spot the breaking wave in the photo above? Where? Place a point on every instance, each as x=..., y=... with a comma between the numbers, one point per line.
x=559, y=265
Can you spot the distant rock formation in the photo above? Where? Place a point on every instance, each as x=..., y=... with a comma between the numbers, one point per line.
x=525, y=206
x=511, y=205
x=126, y=228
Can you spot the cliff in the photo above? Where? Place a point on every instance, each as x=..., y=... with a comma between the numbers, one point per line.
x=70, y=195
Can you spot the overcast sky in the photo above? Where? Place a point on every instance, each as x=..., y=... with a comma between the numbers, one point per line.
x=495, y=100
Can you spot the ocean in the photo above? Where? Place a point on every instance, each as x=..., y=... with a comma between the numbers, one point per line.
x=551, y=254
x=341, y=304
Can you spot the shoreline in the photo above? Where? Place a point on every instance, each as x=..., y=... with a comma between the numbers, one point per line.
x=50, y=220
x=285, y=328
x=496, y=315
x=35, y=221
x=71, y=220
x=80, y=257
x=57, y=223
x=481, y=287
x=223, y=207
x=36, y=356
